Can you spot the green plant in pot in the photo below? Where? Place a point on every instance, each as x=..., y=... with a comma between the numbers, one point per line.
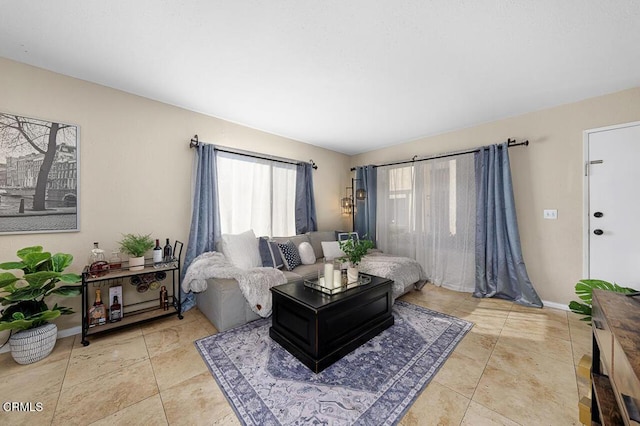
x=136, y=245
x=354, y=251
x=584, y=290
x=24, y=286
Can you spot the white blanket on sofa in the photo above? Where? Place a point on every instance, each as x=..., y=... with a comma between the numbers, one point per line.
x=404, y=271
x=254, y=283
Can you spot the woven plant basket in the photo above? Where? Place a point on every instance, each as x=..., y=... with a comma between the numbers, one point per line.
x=29, y=346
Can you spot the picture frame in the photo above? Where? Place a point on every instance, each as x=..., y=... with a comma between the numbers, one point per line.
x=39, y=175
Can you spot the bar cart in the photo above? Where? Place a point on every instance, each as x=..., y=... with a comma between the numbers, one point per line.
x=140, y=293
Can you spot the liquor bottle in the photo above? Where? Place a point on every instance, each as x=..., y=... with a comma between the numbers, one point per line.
x=157, y=253
x=115, y=311
x=98, y=266
x=115, y=261
x=97, y=313
x=164, y=298
x=168, y=252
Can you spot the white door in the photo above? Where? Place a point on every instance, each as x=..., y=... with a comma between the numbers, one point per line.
x=613, y=223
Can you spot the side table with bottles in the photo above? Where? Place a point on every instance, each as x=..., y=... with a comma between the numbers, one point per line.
x=117, y=297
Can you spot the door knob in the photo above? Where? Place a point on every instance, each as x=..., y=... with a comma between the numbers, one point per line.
x=598, y=231
x=598, y=214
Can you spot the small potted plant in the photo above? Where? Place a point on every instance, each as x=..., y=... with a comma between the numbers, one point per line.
x=136, y=246
x=354, y=251
x=24, y=286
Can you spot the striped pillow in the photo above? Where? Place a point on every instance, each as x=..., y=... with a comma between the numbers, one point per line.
x=270, y=253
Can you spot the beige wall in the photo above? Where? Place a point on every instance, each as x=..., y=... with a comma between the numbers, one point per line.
x=548, y=174
x=136, y=168
x=135, y=163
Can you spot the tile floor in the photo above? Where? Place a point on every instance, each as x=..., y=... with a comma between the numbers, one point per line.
x=516, y=366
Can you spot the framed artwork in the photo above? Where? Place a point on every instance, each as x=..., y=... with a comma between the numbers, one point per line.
x=39, y=175
x=344, y=236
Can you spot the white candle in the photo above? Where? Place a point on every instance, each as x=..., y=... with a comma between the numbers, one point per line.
x=328, y=275
x=337, y=278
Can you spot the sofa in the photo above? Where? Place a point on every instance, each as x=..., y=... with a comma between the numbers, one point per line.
x=224, y=304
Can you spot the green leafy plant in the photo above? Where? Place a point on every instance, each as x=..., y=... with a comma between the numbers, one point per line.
x=136, y=245
x=25, y=284
x=355, y=250
x=584, y=290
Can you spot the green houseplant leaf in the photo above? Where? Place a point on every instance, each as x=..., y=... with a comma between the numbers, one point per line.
x=60, y=262
x=22, y=253
x=33, y=260
x=7, y=266
x=25, y=285
x=70, y=278
x=38, y=279
x=66, y=291
x=355, y=250
x=584, y=291
x=136, y=245
x=7, y=278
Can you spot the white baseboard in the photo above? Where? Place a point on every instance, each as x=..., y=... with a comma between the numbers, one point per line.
x=555, y=305
x=61, y=333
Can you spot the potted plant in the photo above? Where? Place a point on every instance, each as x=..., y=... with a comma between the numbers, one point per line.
x=584, y=290
x=136, y=246
x=24, y=286
x=354, y=251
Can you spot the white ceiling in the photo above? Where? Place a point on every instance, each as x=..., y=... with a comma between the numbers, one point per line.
x=348, y=75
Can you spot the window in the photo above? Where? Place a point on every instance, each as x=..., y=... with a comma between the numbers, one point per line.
x=426, y=211
x=256, y=194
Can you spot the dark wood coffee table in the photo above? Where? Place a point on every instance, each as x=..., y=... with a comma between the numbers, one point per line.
x=319, y=329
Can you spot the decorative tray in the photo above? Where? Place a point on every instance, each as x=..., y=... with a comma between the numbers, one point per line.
x=362, y=280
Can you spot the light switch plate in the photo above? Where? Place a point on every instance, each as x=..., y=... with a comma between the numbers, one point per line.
x=551, y=214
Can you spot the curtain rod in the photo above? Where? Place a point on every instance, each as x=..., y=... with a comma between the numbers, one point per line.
x=195, y=142
x=510, y=143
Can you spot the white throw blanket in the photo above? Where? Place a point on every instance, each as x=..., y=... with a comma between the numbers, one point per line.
x=404, y=271
x=254, y=283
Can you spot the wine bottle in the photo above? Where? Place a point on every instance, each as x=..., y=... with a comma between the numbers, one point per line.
x=164, y=298
x=97, y=313
x=115, y=311
x=157, y=252
x=98, y=266
x=168, y=252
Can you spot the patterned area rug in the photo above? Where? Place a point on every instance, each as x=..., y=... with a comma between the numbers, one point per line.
x=375, y=384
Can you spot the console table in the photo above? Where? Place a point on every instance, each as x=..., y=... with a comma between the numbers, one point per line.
x=615, y=370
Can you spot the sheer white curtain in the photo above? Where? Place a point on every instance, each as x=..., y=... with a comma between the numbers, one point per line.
x=256, y=194
x=426, y=211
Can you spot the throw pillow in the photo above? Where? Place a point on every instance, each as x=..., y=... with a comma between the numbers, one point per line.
x=290, y=255
x=332, y=250
x=242, y=250
x=307, y=255
x=270, y=253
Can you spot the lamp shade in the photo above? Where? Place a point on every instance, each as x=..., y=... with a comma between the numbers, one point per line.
x=361, y=194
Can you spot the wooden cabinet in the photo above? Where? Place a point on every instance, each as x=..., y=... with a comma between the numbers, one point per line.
x=616, y=359
x=319, y=329
x=140, y=300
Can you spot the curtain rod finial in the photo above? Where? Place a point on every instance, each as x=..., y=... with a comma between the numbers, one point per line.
x=194, y=142
x=313, y=164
